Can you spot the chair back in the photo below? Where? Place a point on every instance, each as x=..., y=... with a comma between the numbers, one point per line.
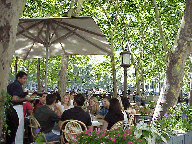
x=118, y=124
x=131, y=119
x=70, y=129
x=35, y=127
x=124, y=124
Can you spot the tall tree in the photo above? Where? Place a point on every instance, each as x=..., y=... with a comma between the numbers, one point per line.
x=175, y=68
x=62, y=84
x=190, y=98
x=38, y=76
x=10, y=12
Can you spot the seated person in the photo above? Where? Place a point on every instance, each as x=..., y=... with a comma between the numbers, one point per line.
x=142, y=102
x=66, y=103
x=47, y=118
x=42, y=101
x=58, y=100
x=77, y=113
x=114, y=114
x=93, y=107
x=27, y=107
x=127, y=107
x=102, y=113
x=27, y=111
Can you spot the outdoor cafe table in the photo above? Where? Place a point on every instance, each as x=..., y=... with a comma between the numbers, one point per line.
x=97, y=123
x=132, y=104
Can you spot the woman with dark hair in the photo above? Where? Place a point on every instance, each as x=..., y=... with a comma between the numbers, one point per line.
x=127, y=107
x=58, y=97
x=114, y=114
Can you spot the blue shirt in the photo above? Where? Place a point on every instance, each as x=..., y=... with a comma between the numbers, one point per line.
x=103, y=111
x=15, y=88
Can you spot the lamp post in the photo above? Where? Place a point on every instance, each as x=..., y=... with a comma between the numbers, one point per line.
x=125, y=63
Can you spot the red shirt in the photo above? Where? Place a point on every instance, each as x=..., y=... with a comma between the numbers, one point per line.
x=26, y=106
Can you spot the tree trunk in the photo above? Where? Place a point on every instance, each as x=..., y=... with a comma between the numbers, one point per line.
x=38, y=76
x=159, y=81
x=9, y=18
x=113, y=66
x=28, y=63
x=175, y=69
x=142, y=79
x=62, y=84
x=114, y=76
x=16, y=61
x=190, y=98
x=137, y=80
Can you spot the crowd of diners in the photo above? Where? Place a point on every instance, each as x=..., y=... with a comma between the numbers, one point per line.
x=51, y=109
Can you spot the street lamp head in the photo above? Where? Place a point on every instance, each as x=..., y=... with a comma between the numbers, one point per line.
x=125, y=58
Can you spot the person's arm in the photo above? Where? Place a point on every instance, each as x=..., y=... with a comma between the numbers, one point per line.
x=133, y=111
x=100, y=117
x=55, y=118
x=18, y=99
x=105, y=125
x=58, y=109
x=89, y=123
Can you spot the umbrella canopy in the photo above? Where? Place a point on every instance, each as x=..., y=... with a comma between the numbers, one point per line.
x=47, y=37
x=65, y=35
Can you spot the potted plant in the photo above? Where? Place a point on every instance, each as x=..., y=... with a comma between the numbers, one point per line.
x=140, y=134
x=177, y=120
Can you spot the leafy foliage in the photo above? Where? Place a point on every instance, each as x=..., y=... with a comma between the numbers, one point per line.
x=177, y=119
x=135, y=22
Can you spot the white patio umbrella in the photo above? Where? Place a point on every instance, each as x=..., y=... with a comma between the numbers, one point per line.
x=47, y=37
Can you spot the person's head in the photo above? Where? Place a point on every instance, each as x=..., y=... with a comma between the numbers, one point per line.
x=114, y=104
x=106, y=102
x=93, y=100
x=50, y=99
x=72, y=94
x=115, y=107
x=66, y=99
x=43, y=98
x=79, y=100
x=21, y=77
x=125, y=102
x=58, y=97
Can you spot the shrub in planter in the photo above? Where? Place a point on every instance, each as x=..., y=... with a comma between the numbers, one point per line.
x=140, y=134
x=143, y=110
x=178, y=119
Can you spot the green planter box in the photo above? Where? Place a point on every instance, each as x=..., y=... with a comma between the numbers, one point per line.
x=182, y=139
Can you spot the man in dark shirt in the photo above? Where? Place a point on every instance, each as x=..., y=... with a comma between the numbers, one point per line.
x=15, y=118
x=42, y=101
x=47, y=118
x=77, y=113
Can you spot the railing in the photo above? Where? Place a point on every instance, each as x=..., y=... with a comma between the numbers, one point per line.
x=181, y=139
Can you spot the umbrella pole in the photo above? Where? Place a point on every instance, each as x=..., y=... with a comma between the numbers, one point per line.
x=46, y=68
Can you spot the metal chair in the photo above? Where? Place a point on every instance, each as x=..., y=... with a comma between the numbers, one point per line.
x=70, y=129
x=123, y=124
x=131, y=119
x=34, y=125
x=118, y=124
